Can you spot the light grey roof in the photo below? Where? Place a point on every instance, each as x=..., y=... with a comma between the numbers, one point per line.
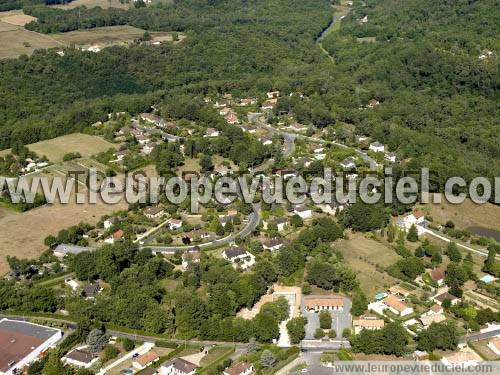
x=28, y=329
x=72, y=249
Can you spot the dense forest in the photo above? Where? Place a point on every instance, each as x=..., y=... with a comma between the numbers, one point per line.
x=18, y=4
x=418, y=58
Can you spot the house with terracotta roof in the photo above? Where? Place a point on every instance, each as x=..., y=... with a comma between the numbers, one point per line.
x=232, y=119
x=437, y=275
x=369, y=323
x=398, y=289
x=242, y=368
x=145, y=360
x=428, y=319
x=396, y=305
x=318, y=303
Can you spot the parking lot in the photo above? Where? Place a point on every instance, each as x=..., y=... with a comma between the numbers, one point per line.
x=340, y=320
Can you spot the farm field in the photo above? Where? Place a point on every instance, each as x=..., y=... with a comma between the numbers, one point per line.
x=104, y=36
x=55, y=149
x=104, y=4
x=465, y=215
x=362, y=254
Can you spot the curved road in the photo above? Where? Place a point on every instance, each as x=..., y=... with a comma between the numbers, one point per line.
x=253, y=221
x=290, y=137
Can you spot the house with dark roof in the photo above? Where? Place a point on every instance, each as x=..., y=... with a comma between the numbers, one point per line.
x=91, y=290
x=80, y=358
x=273, y=244
x=238, y=255
x=178, y=366
x=242, y=368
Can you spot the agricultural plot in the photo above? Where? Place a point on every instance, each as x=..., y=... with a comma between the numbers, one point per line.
x=104, y=4
x=368, y=257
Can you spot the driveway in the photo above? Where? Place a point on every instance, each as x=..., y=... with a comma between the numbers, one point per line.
x=340, y=320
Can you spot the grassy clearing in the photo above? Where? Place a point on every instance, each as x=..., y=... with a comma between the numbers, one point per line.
x=363, y=255
x=16, y=41
x=465, y=215
x=55, y=149
x=106, y=36
x=104, y=4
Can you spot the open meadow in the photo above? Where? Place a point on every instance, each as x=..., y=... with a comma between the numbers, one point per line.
x=55, y=149
x=104, y=4
x=363, y=255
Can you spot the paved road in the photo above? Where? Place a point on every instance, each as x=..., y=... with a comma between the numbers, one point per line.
x=480, y=336
x=290, y=137
x=252, y=222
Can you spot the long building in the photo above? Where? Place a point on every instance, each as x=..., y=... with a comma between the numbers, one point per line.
x=22, y=343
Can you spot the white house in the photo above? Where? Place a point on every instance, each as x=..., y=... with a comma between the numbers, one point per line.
x=175, y=224
x=303, y=211
x=212, y=132
x=377, y=147
x=154, y=212
x=273, y=94
x=390, y=157
x=242, y=368
x=239, y=255
x=178, y=366
x=22, y=343
x=80, y=358
x=348, y=163
x=145, y=360
x=397, y=306
x=368, y=323
x=72, y=283
x=272, y=244
x=461, y=359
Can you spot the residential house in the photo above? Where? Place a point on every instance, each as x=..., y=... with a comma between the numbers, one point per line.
x=363, y=20
x=317, y=149
x=242, y=368
x=225, y=219
x=462, y=359
x=348, y=163
x=142, y=139
x=436, y=309
x=494, y=345
x=148, y=148
x=175, y=224
x=273, y=244
x=232, y=119
x=390, y=157
x=220, y=104
x=145, y=360
x=419, y=355
x=273, y=94
x=377, y=147
x=285, y=173
x=427, y=319
x=178, y=366
x=369, y=323
x=265, y=141
x=440, y=298
x=373, y=103
x=437, y=275
x=72, y=283
x=220, y=170
x=318, y=303
x=225, y=111
x=304, y=161
x=396, y=305
x=361, y=138
x=303, y=211
x=247, y=101
x=120, y=155
x=195, y=234
x=485, y=54
x=153, y=119
x=239, y=255
x=297, y=127
x=212, y=132
x=189, y=257
x=154, y=212
x=117, y=236
x=249, y=129
x=91, y=290
x=398, y=290
x=80, y=358
x=269, y=104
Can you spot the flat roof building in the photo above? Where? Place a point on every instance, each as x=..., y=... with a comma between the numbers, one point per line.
x=22, y=343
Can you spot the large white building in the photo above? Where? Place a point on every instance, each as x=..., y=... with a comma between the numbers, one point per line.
x=22, y=343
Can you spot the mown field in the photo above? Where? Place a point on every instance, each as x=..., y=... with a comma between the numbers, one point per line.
x=55, y=149
x=363, y=255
